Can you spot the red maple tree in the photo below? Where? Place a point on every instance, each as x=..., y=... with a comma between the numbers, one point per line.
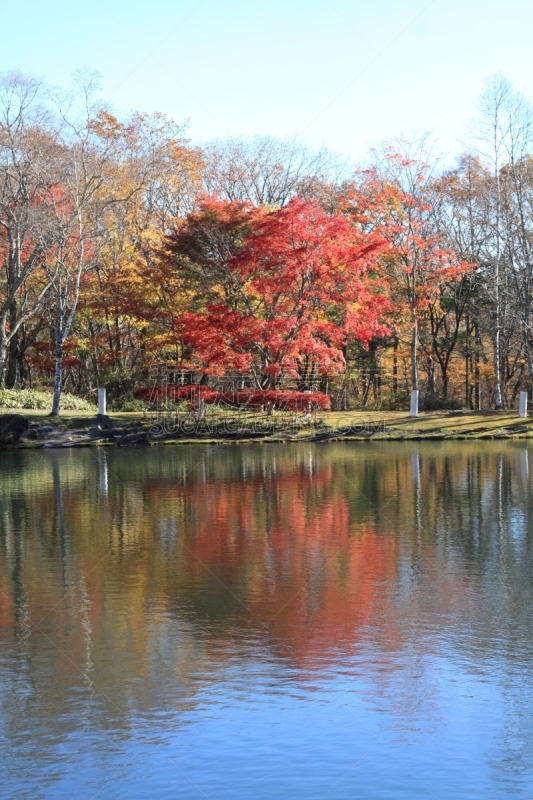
x=275, y=290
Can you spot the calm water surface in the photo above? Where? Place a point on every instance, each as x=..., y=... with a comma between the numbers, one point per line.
x=292, y=621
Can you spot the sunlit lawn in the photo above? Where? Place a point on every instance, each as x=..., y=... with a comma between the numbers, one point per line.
x=391, y=423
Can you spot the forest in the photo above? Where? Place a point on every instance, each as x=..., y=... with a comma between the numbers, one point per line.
x=124, y=245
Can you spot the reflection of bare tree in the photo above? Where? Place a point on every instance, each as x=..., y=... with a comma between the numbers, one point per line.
x=512, y=756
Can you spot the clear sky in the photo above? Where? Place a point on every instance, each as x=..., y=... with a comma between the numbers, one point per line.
x=346, y=73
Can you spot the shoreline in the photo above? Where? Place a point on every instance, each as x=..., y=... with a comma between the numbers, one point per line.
x=122, y=429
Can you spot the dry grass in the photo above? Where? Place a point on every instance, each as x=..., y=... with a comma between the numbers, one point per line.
x=389, y=424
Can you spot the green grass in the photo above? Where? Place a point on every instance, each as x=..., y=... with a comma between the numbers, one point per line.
x=397, y=424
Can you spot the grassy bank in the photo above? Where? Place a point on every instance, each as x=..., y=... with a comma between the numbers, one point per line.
x=77, y=428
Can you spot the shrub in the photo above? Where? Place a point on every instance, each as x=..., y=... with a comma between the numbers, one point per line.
x=247, y=398
x=433, y=403
x=131, y=406
x=34, y=400
x=396, y=402
x=12, y=428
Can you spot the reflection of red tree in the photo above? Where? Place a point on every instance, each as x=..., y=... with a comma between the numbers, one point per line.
x=287, y=548
x=303, y=563
x=350, y=600
x=7, y=619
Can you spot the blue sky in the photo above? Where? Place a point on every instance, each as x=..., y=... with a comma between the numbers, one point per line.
x=345, y=73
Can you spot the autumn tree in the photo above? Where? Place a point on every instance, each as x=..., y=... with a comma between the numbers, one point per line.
x=275, y=290
x=502, y=136
x=29, y=154
x=93, y=150
x=394, y=198
x=126, y=310
x=514, y=194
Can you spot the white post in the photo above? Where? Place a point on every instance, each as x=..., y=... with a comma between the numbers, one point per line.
x=102, y=402
x=522, y=408
x=414, y=403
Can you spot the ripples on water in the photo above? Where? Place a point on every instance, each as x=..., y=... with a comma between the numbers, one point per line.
x=267, y=622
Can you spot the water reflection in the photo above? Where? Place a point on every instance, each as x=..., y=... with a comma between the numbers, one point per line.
x=147, y=593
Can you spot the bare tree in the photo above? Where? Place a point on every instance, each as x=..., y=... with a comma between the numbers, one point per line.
x=490, y=135
x=93, y=149
x=28, y=156
x=461, y=215
x=269, y=171
x=517, y=212
x=408, y=170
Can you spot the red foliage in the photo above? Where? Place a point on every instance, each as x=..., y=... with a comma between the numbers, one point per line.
x=278, y=289
x=394, y=205
x=247, y=398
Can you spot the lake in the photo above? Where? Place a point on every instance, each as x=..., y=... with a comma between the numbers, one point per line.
x=350, y=620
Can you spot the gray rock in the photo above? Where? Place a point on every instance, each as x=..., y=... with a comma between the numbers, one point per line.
x=45, y=428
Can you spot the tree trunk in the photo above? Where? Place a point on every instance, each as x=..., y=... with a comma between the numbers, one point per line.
x=467, y=363
x=3, y=361
x=529, y=356
x=57, y=375
x=431, y=376
x=4, y=350
x=395, y=367
x=496, y=366
x=477, y=375
x=414, y=353
x=498, y=400
x=11, y=369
